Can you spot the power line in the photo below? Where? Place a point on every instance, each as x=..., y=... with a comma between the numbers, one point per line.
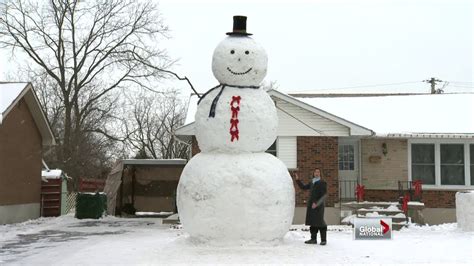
x=461, y=86
x=461, y=82
x=367, y=86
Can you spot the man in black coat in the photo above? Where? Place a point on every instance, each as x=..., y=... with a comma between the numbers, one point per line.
x=315, y=206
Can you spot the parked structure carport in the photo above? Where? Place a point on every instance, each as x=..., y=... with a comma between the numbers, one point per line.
x=146, y=185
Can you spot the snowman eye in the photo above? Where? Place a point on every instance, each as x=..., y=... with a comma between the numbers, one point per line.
x=232, y=51
x=247, y=52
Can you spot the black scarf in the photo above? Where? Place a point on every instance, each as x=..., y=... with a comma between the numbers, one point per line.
x=212, y=111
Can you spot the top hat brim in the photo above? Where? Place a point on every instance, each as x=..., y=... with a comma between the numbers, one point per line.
x=239, y=33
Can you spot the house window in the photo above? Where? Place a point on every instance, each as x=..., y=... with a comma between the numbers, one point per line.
x=273, y=149
x=346, y=157
x=471, y=152
x=442, y=163
x=452, y=164
x=423, y=163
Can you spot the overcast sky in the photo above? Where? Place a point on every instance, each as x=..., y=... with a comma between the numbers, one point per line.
x=332, y=44
x=314, y=45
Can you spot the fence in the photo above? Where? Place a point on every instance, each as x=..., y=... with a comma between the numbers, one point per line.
x=71, y=202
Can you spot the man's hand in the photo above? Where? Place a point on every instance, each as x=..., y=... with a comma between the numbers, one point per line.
x=313, y=206
x=296, y=176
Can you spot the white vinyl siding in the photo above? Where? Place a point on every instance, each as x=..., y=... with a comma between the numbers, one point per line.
x=296, y=121
x=286, y=151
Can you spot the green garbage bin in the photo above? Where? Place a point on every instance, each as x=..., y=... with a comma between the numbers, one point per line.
x=90, y=205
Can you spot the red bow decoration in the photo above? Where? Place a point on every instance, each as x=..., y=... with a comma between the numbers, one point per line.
x=405, y=201
x=234, y=108
x=417, y=184
x=360, y=191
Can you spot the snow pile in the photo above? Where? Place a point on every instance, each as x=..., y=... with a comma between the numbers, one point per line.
x=51, y=174
x=349, y=219
x=415, y=203
x=373, y=214
x=235, y=197
x=392, y=208
x=465, y=210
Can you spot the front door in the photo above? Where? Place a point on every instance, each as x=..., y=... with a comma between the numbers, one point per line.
x=348, y=162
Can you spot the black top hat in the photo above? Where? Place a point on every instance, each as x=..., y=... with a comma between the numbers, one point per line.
x=240, y=26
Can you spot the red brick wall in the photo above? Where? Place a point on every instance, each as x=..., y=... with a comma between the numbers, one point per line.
x=431, y=198
x=318, y=152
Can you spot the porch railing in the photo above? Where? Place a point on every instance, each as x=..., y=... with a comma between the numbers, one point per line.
x=410, y=188
x=347, y=190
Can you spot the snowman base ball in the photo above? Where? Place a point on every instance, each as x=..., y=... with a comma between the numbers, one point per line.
x=236, y=197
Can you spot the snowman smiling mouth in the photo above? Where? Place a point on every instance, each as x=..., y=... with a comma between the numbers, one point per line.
x=239, y=73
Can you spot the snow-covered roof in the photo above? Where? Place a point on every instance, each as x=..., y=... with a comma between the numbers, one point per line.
x=52, y=173
x=192, y=108
x=394, y=116
x=11, y=93
x=413, y=114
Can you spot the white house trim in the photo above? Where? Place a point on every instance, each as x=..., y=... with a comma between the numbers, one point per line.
x=355, y=130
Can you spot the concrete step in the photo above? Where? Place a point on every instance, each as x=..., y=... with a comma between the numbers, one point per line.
x=394, y=219
x=370, y=205
x=385, y=212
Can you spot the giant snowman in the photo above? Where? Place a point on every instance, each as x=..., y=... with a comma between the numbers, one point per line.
x=233, y=190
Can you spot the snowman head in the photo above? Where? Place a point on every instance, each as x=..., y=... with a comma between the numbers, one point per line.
x=238, y=59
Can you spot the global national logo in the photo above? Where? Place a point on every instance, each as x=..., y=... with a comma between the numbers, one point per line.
x=372, y=228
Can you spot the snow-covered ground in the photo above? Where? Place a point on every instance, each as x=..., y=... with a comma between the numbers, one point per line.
x=65, y=240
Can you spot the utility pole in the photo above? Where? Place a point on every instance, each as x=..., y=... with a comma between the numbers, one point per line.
x=433, y=82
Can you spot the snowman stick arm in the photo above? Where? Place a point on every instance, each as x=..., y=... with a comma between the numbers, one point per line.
x=143, y=61
x=181, y=78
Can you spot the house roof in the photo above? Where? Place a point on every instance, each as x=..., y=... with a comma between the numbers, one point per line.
x=10, y=95
x=354, y=129
x=425, y=115
x=387, y=115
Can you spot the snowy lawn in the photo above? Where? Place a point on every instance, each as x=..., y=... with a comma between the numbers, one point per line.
x=112, y=240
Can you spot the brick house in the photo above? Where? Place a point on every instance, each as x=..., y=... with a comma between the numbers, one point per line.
x=376, y=141
x=24, y=137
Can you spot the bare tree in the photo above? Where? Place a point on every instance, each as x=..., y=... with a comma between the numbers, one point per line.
x=83, y=51
x=151, y=124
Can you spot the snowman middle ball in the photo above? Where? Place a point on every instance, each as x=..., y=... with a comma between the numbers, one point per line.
x=258, y=122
